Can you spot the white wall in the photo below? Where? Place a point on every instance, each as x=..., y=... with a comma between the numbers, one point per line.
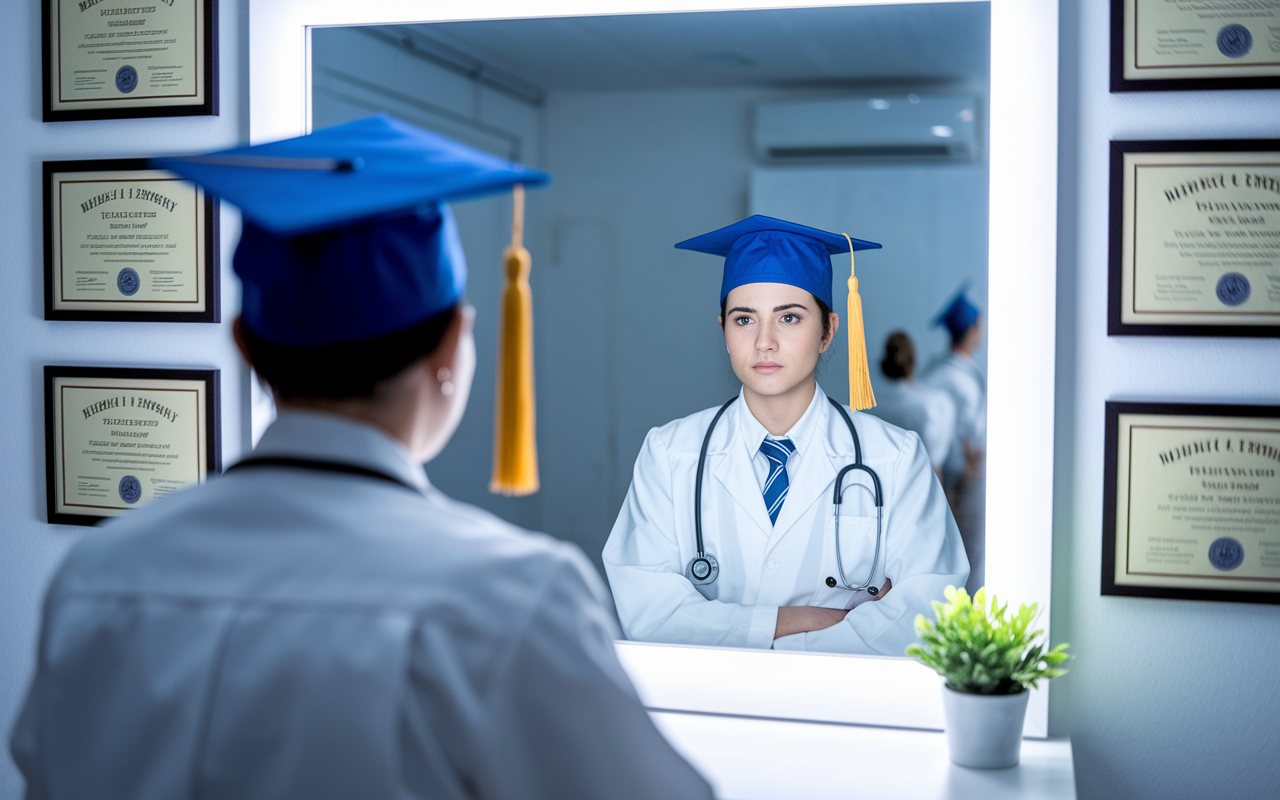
x=29, y=548
x=1168, y=698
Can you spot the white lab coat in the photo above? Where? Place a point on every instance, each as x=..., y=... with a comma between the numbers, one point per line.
x=961, y=378
x=915, y=407
x=289, y=633
x=764, y=566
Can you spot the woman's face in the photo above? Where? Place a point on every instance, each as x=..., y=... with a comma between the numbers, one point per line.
x=774, y=335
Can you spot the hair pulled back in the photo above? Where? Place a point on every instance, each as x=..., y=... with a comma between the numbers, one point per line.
x=899, y=356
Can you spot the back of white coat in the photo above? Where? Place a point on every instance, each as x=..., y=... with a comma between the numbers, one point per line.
x=289, y=633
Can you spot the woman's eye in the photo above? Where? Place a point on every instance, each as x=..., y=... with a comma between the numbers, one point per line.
x=790, y=318
x=743, y=321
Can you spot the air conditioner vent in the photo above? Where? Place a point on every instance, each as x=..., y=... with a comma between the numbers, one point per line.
x=868, y=128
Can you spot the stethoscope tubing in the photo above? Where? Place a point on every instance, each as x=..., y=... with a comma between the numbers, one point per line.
x=836, y=500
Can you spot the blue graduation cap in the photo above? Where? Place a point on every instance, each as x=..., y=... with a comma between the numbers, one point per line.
x=347, y=235
x=762, y=249
x=959, y=315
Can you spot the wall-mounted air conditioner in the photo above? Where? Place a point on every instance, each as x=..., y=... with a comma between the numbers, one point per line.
x=940, y=127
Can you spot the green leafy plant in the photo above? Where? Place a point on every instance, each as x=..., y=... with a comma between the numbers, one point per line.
x=983, y=651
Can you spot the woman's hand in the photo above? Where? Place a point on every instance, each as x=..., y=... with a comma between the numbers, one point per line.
x=802, y=619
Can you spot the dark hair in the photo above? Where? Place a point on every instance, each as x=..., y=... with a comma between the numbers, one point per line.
x=347, y=370
x=899, y=356
x=823, y=311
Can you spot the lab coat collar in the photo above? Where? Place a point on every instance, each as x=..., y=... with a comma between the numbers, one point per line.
x=753, y=433
x=329, y=437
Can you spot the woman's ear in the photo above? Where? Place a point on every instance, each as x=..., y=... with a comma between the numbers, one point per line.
x=446, y=353
x=831, y=332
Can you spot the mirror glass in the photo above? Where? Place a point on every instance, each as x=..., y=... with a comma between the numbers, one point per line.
x=657, y=128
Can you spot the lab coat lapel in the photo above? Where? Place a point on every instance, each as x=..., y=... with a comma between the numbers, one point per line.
x=813, y=475
x=732, y=469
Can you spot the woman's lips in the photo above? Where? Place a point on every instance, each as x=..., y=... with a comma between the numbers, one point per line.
x=767, y=367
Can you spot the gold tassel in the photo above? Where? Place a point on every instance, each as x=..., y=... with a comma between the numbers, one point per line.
x=860, y=394
x=515, y=449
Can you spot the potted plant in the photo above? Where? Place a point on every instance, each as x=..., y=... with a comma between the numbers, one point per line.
x=990, y=660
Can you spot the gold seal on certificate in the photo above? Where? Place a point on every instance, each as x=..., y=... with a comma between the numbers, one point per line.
x=1192, y=501
x=127, y=243
x=1159, y=45
x=116, y=439
x=1195, y=238
x=110, y=59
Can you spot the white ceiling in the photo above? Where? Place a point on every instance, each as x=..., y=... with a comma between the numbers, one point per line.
x=927, y=43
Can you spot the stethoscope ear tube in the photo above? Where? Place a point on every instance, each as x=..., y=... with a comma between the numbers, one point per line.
x=703, y=568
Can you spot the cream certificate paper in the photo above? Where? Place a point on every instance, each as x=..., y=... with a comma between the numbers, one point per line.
x=127, y=241
x=109, y=53
x=1181, y=39
x=1198, y=502
x=120, y=443
x=1201, y=243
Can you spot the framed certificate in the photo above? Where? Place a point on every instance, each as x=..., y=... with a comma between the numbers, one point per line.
x=1162, y=45
x=1191, y=502
x=127, y=243
x=1195, y=238
x=116, y=439
x=116, y=59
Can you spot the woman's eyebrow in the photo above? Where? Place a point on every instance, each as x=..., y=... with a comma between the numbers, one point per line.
x=743, y=309
x=776, y=309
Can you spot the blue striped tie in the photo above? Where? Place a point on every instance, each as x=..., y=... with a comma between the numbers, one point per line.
x=775, y=486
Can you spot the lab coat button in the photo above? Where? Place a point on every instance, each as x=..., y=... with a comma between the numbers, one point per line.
x=831, y=582
x=772, y=565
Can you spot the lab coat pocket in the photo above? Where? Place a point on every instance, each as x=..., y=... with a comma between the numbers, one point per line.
x=857, y=538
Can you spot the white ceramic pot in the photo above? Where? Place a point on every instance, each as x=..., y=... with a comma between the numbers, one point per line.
x=984, y=730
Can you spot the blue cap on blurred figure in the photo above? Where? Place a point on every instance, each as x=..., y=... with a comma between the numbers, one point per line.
x=346, y=233
x=959, y=315
x=762, y=249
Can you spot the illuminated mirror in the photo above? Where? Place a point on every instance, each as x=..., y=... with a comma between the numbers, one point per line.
x=654, y=129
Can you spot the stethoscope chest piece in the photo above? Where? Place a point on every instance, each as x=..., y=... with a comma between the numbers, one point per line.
x=703, y=569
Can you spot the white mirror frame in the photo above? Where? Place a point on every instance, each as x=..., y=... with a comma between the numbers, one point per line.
x=1021, y=317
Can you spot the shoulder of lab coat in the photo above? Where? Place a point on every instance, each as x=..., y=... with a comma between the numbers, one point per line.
x=487, y=608
x=924, y=552
x=643, y=557
x=927, y=410
x=962, y=382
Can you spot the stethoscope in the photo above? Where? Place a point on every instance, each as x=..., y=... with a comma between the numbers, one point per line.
x=703, y=568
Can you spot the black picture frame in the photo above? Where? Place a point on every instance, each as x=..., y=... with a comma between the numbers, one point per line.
x=1115, y=266
x=1110, y=494
x=212, y=427
x=138, y=108
x=210, y=282
x=1120, y=84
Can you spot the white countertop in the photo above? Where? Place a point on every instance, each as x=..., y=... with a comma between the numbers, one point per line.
x=754, y=759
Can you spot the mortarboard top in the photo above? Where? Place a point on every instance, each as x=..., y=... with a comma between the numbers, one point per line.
x=762, y=249
x=352, y=172
x=346, y=234
x=958, y=315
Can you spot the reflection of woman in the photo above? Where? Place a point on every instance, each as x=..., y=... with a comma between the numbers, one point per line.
x=903, y=402
x=771, y=463
x=965, y=474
